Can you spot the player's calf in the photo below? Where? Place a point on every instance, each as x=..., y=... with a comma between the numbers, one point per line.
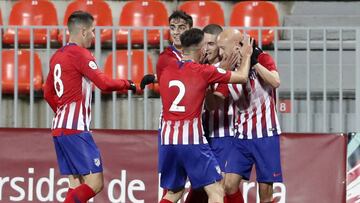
x=266, y=192
x=233, y=194
x=95, y=181
x=232, y=182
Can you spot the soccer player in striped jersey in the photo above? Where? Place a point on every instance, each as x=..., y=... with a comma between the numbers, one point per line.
x=186, y=153
x=68, y=92
x=257, y=126
x=217, y=118
x=179, y=22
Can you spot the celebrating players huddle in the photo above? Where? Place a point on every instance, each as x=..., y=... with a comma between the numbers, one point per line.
x=215, y=145
x=218, y=112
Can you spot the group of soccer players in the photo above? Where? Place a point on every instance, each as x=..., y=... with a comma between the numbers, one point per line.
x=241, y=128
x=221, y=70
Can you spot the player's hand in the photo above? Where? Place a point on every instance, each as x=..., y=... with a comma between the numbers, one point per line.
x=229, y=62
x=147, y=79
x=132, y=86
x=203, y=56
x=247, y=46
x=256, y=52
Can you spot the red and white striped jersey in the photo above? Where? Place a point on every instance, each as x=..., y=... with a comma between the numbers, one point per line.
x=182, y=89
x=255, y=115
x=77, y=114
x=220, y=122
x=182, y=132
x=165, y=57
x=169, y=54
x=68, y=88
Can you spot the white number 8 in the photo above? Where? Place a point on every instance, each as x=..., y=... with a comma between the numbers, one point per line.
x=57, y=81
x=282, y=107
x=174, y=107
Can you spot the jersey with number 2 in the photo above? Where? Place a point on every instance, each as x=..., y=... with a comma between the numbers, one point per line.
x=183, y=86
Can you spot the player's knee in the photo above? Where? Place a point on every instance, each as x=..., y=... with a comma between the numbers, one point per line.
x=265, y=192
x=97, y=188
x=217, y=194
x=100, y=187
x=230, y=186
x=215, y=191
x=97, y=185
x=221, y=190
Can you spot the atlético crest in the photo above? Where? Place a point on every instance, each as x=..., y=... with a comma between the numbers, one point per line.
x=97, y=162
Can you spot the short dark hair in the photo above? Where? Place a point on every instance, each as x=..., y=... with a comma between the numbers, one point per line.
x=191, y=37
x=179, y=14
x=213, y=29
x=79, y=18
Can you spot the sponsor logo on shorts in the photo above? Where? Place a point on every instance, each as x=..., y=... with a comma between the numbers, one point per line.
x=276, y=174
x=97, y=162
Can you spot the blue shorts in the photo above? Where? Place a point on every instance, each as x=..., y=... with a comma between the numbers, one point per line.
x=77, y=154
x=221, y=147
x=263, y=152
x=182, y=161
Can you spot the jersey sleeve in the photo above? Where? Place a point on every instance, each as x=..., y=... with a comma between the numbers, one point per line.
x=162, y=62
x=211, y=74
x=88, y=67
x=49, y=92
x=267, y=61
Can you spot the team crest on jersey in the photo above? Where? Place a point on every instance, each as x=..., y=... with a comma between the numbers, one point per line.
x=92, y=65
x=97, y=162
x=220, y=70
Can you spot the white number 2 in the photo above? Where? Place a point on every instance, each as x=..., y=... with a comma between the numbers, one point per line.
x=57, y=81
x=174, y=107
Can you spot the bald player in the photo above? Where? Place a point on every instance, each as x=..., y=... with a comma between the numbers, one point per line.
x=218, y=120
x=257, y=126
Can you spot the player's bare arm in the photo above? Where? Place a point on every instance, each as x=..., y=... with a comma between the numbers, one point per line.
x=270, y=77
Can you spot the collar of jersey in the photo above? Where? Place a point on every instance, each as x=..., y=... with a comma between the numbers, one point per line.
x=71, y=44
x=68, y=44
x=187, y=61
x=183, y=62
x=172, y=47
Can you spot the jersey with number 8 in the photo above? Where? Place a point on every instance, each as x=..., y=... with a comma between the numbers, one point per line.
x=182, y=89
x=68, y=88
x=58, y=84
